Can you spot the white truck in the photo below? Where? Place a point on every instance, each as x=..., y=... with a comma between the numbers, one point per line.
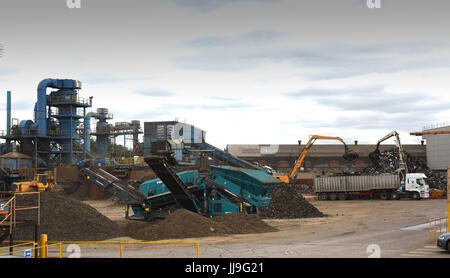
x=383, y=186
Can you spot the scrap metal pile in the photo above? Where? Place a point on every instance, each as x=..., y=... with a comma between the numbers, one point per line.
x=388, y=162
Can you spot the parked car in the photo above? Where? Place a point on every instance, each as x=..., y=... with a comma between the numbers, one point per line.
x=444, y=241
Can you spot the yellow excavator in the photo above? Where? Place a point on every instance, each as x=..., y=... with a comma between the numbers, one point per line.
x=348, y=155
x=40, y=182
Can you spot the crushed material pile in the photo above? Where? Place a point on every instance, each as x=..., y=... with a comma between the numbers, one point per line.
x=388, y=162
x=65, y=219
x=76, y=190
x=184, y=224
x=288, y=202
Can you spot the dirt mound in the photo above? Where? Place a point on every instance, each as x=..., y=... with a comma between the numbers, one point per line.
x=288, y=202
x=63, y=218
x=244, y=223
x=66, y=219
x=76, y=190
x=184, y=224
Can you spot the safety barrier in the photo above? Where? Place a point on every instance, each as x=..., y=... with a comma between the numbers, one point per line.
x=43, y=247
x=437, y=226
x=121, y=246
x=8, y=210
x=20, y=245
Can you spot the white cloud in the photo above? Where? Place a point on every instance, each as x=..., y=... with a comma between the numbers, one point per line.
x=227, y=67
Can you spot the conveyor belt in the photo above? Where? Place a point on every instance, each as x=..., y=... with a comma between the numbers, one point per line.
x=233, y=197
x=113, y=185
x=170, y=179
x=226, y=157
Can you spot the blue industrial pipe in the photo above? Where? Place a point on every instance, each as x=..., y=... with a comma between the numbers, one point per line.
x=102, y=140
x=40, y=112
x=87, y=124
x=8, y=112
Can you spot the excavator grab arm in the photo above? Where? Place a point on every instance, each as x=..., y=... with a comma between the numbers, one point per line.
x=308, y=146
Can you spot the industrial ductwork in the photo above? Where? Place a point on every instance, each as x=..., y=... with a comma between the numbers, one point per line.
x=41, y=107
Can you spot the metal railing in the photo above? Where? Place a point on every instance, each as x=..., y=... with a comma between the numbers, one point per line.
x=433, y=126
x=44, y=250
x=66, y=147
x=68, y=99
x=33, y=132
x=120, y=246
x=60, y=112
x=11, y=205
x=437, y=227
x=22, y=246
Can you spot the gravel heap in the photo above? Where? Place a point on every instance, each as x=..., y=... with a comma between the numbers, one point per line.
x=184, y=224
x=64, y=219
x=288, y=202
x=67, y=219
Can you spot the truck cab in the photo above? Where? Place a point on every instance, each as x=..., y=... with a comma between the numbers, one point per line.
x=415, y=184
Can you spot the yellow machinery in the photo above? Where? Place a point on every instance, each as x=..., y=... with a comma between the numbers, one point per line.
x=448, y=199
x=436, y=193
x=41, y=182
x=289, y=178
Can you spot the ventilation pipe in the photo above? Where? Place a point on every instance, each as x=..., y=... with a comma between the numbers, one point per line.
x=8, y=113
x=87, y=124
x=41, y=107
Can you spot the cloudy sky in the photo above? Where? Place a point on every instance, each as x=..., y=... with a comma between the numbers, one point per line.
x=246, y=71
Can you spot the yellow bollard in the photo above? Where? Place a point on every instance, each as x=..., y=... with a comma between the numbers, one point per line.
x=448, y=215
x=434, y=229
x=429, y=230
x=43, y=249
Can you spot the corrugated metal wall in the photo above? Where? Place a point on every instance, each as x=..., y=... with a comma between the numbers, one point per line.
x=356, y=183
x=438, y=149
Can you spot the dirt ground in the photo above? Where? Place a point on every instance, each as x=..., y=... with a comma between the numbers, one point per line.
x=350, y=229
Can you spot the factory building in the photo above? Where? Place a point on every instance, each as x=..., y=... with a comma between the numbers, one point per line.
x=321, y=157
x=178, y=134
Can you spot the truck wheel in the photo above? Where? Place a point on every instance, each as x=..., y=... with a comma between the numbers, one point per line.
x=342, y=196
x=415, y=196
x=395, y=196
x=323, y=196
x=333, y=196
x=384, y=196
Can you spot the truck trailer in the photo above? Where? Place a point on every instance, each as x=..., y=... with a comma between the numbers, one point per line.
x=382, y=186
